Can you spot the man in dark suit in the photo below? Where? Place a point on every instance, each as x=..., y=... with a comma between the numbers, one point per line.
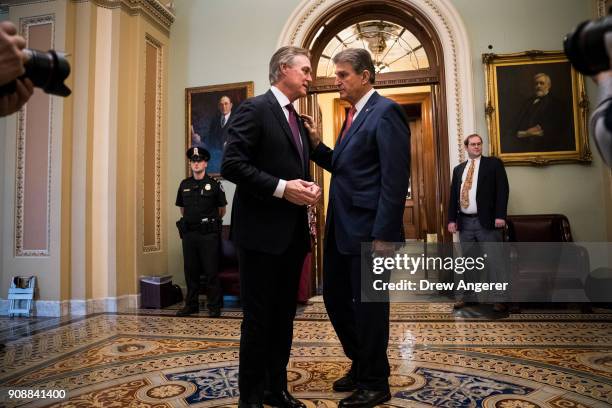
x=266, y=156
x=216, y=136
x=479, y=198
x=370, y=168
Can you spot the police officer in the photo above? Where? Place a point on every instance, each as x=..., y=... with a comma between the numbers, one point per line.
x=202, y=202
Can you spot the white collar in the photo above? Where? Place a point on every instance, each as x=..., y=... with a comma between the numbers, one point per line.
x=364, y=99
x=281, y=98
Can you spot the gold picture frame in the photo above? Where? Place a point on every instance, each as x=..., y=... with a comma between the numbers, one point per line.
x=202, y=118
x=536, y=109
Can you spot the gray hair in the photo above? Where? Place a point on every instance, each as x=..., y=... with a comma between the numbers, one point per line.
x=543, y=75
x=283, y=56
x=359, y=59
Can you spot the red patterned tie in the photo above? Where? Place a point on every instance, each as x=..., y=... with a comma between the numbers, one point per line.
x=349, y=122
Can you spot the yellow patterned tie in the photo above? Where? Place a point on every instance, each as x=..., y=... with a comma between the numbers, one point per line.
x=467, y=185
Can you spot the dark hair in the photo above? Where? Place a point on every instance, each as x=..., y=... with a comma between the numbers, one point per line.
x=359, y=59
x=467, y=139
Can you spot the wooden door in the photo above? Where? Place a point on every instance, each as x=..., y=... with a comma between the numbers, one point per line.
x=414, y=198
x=422, y=213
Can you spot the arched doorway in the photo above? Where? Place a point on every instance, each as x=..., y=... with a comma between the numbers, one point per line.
x=410, y=62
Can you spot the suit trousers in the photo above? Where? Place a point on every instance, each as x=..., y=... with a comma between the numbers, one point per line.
x=201, y=256
x=476, y=241
x=268, y=290
x=362, y=327
x=473, y=231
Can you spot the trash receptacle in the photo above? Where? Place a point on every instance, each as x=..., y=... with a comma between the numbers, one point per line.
x=156, y=292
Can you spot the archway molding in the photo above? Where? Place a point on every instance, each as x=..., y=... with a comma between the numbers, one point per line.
x=452, y=34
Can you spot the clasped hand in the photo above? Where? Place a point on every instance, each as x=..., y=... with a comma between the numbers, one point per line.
x=302, y=192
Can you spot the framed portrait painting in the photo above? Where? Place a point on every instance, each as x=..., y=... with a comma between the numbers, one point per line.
x=537, y=109
x=208, y=111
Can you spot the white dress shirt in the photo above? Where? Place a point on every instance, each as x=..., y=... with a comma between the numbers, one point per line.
x=225, y=119
x=361, y=103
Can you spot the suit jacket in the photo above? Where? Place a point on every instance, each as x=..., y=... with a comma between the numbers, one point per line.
x=260, y=150
x=491, y=192
x=370, y=171
x=216, y=134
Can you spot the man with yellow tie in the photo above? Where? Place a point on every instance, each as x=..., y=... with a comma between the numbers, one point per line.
x=479, y=198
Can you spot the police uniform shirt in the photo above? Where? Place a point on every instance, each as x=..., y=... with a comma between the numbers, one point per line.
x=200, y=198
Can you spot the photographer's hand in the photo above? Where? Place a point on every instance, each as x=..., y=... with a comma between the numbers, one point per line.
x=13, y=102
x=11, y=56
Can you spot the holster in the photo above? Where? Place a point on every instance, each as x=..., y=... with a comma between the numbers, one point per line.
x=182, y=227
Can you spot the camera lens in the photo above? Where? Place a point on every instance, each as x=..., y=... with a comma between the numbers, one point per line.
x=48, y=70
x=585, y=47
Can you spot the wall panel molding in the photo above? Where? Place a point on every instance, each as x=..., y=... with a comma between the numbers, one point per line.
x=151, y=179
x=21, y=175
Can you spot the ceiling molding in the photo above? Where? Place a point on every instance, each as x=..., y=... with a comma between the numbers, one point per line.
x=153, y=9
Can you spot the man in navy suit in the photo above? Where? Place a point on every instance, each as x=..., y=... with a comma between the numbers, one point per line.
x=214, y=140
x=370, y=168
x=266, y=156
x=478, y=201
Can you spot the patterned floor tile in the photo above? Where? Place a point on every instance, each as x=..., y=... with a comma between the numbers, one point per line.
x=154, y=359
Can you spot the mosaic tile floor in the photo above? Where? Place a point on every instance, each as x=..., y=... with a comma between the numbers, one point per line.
x=149, y=358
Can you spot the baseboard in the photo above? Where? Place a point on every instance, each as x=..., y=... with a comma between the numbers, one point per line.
x=77, y=307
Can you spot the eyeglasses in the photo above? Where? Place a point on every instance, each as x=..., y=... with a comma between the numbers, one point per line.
x=475, y=144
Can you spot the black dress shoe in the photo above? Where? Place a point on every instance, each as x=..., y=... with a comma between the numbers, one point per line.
x=460, y=304
x=282, y=399
x=365, y=399
x=500, y=308
x=242, y=404
x=345, y=384
x=187, y=310
x=214, y=313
